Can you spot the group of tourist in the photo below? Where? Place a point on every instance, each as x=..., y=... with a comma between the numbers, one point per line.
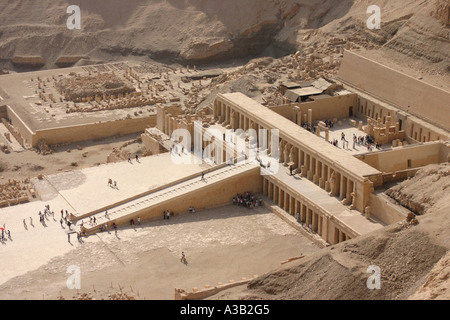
x=129, y=158
x=5, y=232
x=247, y=200
x=44, y=216
x=104, y=227
x=112, y=184
x=329, y=123
x=366, y=141
x=312, y=128
x=306, y=227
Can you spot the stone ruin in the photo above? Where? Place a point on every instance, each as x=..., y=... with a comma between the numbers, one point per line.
x=80, y=88
x=15, y=192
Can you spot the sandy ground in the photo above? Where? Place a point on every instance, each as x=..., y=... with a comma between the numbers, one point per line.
x=20, y=165
x=222, y=244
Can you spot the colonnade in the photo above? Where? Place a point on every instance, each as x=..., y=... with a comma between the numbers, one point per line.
x=350, y=188
x=315, y=218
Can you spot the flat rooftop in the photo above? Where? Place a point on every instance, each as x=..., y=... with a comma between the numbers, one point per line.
x=351, y=218
x=78, y=187
x=293, y=132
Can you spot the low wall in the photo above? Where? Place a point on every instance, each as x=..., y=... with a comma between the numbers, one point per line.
x=91, y=131
x=196, y=294
x=409, y=157
x=3, y=113
x=399, y=175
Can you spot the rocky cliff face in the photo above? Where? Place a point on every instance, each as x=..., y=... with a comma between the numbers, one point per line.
x=204, y=31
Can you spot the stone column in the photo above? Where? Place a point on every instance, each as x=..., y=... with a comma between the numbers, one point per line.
x=314, y=220
x=303, y=211
x=310, y=168
x=280, y=198
x=317, y=172
x=342, y=187
x=286, y=202
x=322, y=176
x=286, y=154
x=349, y=189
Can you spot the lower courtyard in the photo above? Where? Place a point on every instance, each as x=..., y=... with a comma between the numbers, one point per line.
x=221, y=245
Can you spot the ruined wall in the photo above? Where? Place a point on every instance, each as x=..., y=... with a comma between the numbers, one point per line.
x=415, y=129
x=152, y=145
x=409, y=94
x=324, y=108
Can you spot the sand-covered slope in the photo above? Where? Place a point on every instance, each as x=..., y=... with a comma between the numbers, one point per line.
x=413, y=260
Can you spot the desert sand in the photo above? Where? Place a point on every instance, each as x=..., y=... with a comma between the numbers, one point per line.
x=229, y=242
x=222, y=244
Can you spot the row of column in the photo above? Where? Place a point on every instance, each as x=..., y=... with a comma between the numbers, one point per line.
x=319, y=172
x=314, y=219
x=304, y=163
x=304, y=212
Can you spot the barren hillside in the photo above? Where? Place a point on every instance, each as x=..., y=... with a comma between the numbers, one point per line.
x=413, y=259
x=204, y=31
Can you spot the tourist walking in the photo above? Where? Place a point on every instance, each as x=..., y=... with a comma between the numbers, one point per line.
x=183, y=258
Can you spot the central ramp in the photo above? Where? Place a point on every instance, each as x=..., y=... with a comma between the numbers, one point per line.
x=217, y=188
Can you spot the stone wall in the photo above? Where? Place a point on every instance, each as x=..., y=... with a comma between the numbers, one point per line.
x=91, y=131
x=408, y=94
x=403, y=158
x=212, y=195
x=323, y=108
x=416, y=130
x=24, y=133
x=383, y=209
x=3, y=113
